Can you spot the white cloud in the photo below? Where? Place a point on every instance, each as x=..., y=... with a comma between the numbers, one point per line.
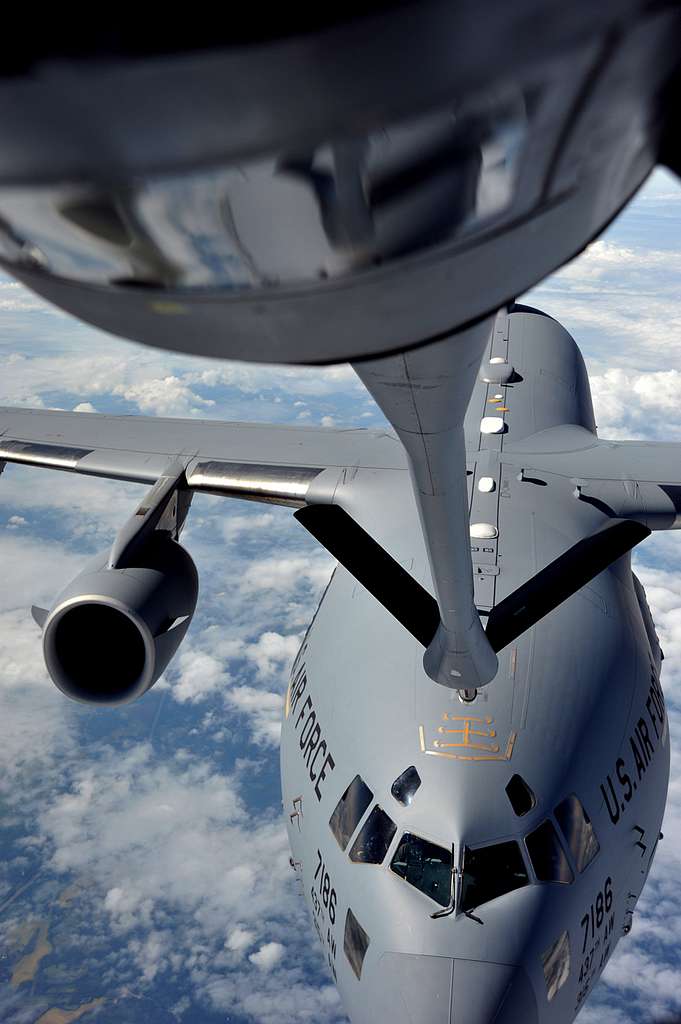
x=239, y=939
x=287, y=572
x=630, y=404
x=128, y=908
x=37, y=573
x=15, y=521
x=14, y=298
x=83, y=507
x=75, y=359
x=273, y=653
x=215, y=666
x=158, y=834
x=234, y=526
x=620, y=299
x=197, y=675
x=151, y=953
x=263, y=710
x=26, y=378
x=36, y=719
x=663, y=590
x=84, y=407
x=311, y=382
x=268, y=956
x=166, y=396
x=602, y=258
x=191, y=879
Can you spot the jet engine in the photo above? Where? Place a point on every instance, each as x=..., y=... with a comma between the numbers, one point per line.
x=112, y=631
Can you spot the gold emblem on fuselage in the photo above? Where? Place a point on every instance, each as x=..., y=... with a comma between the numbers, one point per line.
x=467, y=738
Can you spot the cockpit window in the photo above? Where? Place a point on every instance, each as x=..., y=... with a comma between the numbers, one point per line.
x=376, y=835
x=489, y=872
x=350, y=810
x=576, y=826
x=355, y=943
x=521, y=796
x=425, y=866
x=404, y=787
x=547, y=855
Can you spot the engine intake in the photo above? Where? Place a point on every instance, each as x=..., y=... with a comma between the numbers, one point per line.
x=113, y=631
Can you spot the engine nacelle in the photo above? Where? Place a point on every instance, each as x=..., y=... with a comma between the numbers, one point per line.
x=112, y=632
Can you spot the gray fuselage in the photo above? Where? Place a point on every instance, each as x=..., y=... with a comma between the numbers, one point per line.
x=575, y=709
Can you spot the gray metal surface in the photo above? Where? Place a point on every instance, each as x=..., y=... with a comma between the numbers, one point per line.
x=140, y=449
x=334, y=191
x=53, y=456
x=424, y=395
x=568, y=711
x=281, y=485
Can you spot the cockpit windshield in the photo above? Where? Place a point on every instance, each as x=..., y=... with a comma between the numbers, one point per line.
x=489, y=872
x=576, y=826
x=547, y=855
x=371, y=845
x=425, y=866
x=350, y=810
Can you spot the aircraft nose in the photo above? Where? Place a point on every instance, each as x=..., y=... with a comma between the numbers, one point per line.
x=483, y=992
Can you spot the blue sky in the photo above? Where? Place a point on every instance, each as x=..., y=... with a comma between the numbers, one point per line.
x=148, y=840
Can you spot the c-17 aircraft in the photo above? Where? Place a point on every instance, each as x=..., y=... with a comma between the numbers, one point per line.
x=468, y=853
x=475, y=750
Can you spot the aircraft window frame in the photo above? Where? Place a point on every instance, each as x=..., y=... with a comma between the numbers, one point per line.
x=410, y=838
x=355, y=943
x=578, y=832
x=489, y=874
x=519, y=788
x=547, y=826
x=347, y=811
x=374, y=838
x=406, y=786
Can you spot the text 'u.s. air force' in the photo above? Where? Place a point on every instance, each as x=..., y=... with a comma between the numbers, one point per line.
x=313, y=746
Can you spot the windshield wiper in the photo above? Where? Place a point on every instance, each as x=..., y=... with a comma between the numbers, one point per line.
x=449, y=909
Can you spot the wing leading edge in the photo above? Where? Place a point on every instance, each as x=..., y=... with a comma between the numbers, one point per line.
x=258, y=462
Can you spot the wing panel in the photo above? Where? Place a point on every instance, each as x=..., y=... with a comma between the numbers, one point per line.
x=211, y=439
x=262, y=461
